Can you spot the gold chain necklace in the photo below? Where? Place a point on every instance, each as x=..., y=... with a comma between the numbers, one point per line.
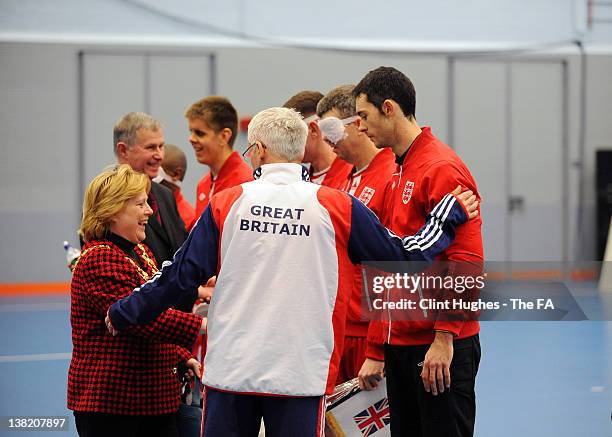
x=89, y=249
x=143, y=254
x=148, y=260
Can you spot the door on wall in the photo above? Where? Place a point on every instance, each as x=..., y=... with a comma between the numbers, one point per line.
x=160, y=84
x=508, y=123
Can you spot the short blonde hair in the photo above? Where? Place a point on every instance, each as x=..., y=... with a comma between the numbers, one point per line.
x=106, y=196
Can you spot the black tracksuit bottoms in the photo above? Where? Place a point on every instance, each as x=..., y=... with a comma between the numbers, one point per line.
x=416, y=413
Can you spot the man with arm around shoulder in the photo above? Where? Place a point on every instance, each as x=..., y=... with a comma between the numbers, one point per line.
x=430, y=366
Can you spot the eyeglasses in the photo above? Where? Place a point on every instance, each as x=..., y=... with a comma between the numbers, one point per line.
x=350, y=120
x=248, y=152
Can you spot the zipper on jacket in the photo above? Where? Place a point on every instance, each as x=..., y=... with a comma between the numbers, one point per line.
x=399, y=181
x=420, y=290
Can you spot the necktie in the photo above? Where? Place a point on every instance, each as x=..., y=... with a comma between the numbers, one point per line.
x=154, y=207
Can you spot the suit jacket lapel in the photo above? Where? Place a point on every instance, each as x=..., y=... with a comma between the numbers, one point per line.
x=157, y=228
x=154, y=224
x=167, y=221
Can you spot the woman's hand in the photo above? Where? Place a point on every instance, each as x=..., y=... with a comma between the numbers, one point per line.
x=109, y=324
x=205, y=292
x=193, y=368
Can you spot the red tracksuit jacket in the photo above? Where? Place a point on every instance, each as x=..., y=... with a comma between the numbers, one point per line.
x=430, y=169
x=335, y=177
x=233, y=172
x=367, y=185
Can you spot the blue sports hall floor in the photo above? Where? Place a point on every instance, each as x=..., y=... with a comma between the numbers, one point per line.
x=545, y=379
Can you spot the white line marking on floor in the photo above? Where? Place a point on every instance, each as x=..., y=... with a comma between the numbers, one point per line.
x=35, y=357
x=26, y=307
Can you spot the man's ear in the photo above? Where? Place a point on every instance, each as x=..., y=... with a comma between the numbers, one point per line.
x=261, y=150
x=226, y=135
x=179, y=173
x=313, y=129
x=122, y=149
x=388, y=108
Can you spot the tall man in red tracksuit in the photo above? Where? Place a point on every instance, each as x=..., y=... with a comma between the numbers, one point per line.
x=430, y=366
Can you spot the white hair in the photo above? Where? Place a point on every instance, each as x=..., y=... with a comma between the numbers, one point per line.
x=281, y=130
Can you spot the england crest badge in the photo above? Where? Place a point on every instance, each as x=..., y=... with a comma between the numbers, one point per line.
x=366, y=195
x=407, y=194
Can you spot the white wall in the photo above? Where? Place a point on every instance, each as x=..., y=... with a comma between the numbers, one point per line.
x=450, y=22
x=39, y=196
x=258, y=78
x=432, y=20
x=38, y=183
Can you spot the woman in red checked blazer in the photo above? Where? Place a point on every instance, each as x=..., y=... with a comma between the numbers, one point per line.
x=124, y=385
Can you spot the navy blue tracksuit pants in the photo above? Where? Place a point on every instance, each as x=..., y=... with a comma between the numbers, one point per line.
x=229, y=414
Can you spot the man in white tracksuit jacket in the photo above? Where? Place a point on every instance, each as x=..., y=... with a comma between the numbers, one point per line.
x=282, y=249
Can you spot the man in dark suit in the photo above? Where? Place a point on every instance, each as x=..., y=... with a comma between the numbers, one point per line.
x=139, y=142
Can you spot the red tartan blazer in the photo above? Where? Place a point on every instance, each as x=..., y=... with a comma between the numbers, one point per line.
x=134, y=372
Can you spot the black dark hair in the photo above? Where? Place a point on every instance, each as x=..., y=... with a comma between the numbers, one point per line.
x=388, y=83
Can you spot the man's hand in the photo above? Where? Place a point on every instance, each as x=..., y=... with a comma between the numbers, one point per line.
x=370, y=374
x=193, y=368
x=205, y=292
x=468, y=200
x=109, y=324
x=436, y=367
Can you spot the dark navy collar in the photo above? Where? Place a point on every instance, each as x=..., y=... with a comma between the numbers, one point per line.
x=305, y=173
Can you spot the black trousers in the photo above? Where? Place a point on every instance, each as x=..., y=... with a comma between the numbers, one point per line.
x=117, y=425
x=416, y=413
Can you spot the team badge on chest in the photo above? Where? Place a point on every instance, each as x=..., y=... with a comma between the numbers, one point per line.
x=366, y=195
x=407, y=194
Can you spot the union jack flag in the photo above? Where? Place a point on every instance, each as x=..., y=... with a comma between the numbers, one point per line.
x=373, y=418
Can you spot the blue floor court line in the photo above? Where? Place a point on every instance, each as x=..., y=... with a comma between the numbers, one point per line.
x=544, y=379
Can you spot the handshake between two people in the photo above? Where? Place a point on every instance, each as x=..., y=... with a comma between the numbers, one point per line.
x=205, y=293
